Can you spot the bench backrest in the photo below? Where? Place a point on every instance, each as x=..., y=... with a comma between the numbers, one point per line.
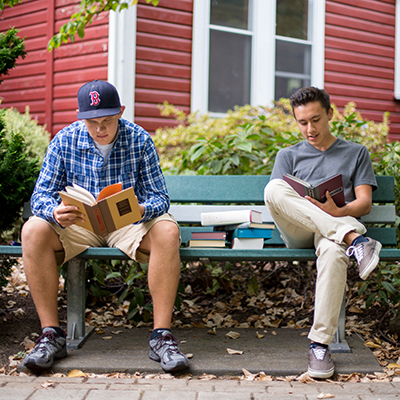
x=193, y=194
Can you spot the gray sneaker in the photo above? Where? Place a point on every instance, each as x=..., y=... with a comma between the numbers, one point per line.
x=164, y=348
x=320, y=364
x=49, y=347
x=367, y=256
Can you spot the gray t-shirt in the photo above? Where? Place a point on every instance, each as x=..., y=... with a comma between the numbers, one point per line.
x=350, y=159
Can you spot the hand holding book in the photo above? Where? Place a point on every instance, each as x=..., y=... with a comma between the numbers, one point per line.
x=333, y=185
x=113, y=209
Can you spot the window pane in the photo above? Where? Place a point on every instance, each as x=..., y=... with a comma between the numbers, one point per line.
x=230, y=69
x=232, y=13
x=292, y=68
x=284, y=87
x=292, y=18
x=293, y=57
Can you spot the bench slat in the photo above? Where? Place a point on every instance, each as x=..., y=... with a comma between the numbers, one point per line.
x=191, y=214
x=387, y=236
x=243, y=189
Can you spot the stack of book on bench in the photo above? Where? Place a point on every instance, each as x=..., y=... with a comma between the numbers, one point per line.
x=242, y=229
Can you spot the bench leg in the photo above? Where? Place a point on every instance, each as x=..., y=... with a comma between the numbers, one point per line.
x=77, y=333
x=339, y=344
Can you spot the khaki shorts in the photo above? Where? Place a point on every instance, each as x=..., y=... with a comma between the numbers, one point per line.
x=76, y=239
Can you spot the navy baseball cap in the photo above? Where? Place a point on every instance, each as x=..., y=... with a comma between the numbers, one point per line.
x=98, y=99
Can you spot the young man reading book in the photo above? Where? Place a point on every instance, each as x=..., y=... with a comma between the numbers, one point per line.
x=335, y=232
x=99, y=150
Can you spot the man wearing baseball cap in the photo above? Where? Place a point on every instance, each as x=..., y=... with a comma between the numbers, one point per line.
x=99, y=150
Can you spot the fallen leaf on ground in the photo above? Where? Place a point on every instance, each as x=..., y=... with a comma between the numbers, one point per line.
x=47, y=384
x=206, y=377
x=305, y=378
x=355, y=309
x=232, y=351
x=233, y=335
x=259, y=335
x=372, y=345
x=76, y=373
x=248, y=375
x=107, y=337
x=28, y=343
x=325, y=396
x=393, y=366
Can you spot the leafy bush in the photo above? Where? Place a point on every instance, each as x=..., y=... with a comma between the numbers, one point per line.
x=36, y=137
x=18, y=173
x=11, y=47
x=247, y=139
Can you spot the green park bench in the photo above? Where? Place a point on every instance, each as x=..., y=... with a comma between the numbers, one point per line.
x=194, y=194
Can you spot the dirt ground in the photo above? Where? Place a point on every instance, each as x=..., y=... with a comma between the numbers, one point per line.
x=280, y=297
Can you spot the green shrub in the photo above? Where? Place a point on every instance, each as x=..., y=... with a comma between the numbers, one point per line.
x=36, y=137
x=18, y=173
x=247, y=139
x=11, y=47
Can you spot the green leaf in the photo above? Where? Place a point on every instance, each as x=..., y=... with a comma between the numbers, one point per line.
x=252, y=286
x=370, y=300
x=95, y=290
x=197, y=154
x=113, y=275
x=389, y=287
x=362, y=288
x=245, y=147
x=139, y=296
x=123, y=296
x=132, y=313
x=235, y=159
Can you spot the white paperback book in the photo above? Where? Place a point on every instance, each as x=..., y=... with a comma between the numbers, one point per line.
x=230, y=217
x=247, y=243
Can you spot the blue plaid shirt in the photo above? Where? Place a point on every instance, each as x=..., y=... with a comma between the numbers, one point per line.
x=73, y=158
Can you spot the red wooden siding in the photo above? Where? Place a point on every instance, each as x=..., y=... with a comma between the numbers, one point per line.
x=48, y=82
x=163, y=60
x=359, y=57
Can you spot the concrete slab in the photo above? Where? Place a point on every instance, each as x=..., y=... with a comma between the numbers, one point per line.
x=280, y=354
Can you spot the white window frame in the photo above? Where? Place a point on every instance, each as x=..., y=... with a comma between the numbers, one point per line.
x=263, y=51
x=122, y=56
x=397, y=53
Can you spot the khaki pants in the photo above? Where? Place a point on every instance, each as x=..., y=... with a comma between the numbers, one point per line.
x=304, y=225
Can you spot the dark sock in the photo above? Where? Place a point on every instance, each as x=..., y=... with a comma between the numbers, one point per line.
x=58, y=330
x=313, y=345
x=358, y=240
x=157, y=332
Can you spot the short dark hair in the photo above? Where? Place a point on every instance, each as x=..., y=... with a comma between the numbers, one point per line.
x=307, y=95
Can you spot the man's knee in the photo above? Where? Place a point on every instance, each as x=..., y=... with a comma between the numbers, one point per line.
x=273, y=190
x=36, y=231
x=33, y=229
x=165, y=232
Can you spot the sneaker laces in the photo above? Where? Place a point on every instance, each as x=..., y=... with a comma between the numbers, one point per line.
x=319, y=352
x=169, y=340
x=41, y=340
x=358, y=252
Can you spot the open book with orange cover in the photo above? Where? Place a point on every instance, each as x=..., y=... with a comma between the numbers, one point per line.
x=113, y=209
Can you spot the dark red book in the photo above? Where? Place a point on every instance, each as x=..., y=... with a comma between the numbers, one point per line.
x=209, y=235
x=333, y=184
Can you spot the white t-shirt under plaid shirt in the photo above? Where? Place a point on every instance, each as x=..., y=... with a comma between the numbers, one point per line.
x=73, y=158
